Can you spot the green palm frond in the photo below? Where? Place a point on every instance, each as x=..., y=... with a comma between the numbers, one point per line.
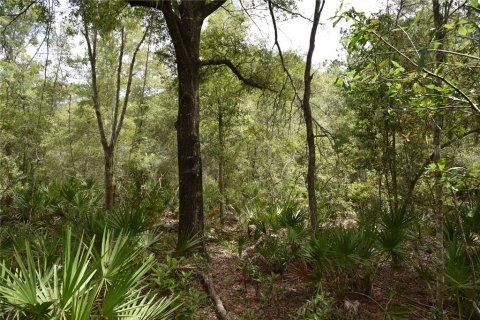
x=82, y=284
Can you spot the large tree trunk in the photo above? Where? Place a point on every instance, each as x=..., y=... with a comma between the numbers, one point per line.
x=184, y=22
x=108, y=176
x=188, y=137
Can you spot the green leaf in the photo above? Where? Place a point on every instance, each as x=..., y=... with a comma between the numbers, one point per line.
x=396, y=64
x=433, y=87
x=421, y=60
x=441, y=164
x=417, y=88
x=474, y=3
x=462, y=31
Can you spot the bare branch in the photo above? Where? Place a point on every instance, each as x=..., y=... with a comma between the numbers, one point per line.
x=16, y=17
x=280, y=53
x=293, y=13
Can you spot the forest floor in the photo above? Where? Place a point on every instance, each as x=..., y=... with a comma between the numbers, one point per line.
x=288, y=293
x=242, y=302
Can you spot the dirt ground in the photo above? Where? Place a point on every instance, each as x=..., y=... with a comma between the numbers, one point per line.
x=289, y=293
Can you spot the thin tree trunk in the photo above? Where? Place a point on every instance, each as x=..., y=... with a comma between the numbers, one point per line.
x=108, y=176
x=72, y=159
x=439, y=21
x=393, y=168
x=438, y=210
x=119, y=109
x=386, y=160
x=307, y=113
x=142, y=108
x=221, y=162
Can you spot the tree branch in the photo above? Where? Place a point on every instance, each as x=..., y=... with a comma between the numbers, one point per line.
x=129, y=85
x=92, y=56
x=211, y=7
x=18, y=15
x=117, y=94
x=280, y=53
x=154, y=4
x=422, y=169
x=472, y=104
x=236, y=71
x=293, y=13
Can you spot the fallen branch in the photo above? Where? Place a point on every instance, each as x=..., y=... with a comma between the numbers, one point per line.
x=251, y=248
x=220, y=310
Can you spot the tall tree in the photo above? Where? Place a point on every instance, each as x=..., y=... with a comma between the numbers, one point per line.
x=307, y=113
x=306, y=108
x=184, y=22
x=92, y=13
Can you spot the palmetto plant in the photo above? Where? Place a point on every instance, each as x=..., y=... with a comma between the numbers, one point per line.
x=343, y=254
x=394, y=233
x=84, y=284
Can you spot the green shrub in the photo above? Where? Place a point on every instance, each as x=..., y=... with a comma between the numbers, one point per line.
x=319, y=307
x=83, y=284
x=393, y=235
x=174, y=276
x=345, y=254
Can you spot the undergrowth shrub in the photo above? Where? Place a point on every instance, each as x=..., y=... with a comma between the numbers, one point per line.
x=462, y=257
x=86, y=282
x=175, y=276
x=320, y=307
x=394, y=231
x=344, y=255
x=283, y=231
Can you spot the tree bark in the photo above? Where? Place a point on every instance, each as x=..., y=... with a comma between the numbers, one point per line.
x=108, y=182
x=307, y=113
x=188, y=140
x=185, y=31
x=221, y=162
x=184, y=25
x=119, y=109
x=439, y=21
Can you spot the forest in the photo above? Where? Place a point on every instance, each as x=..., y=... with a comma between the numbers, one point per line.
x=177, y=159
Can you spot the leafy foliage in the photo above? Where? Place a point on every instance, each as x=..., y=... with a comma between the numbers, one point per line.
x=71, y=287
